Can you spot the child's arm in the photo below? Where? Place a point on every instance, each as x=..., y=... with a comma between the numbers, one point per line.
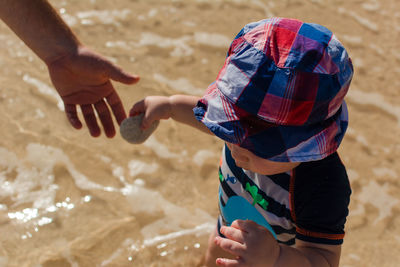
x=254, y=245
x=177, y=107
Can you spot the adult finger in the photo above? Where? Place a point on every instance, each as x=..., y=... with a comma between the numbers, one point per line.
x=90, y=119
x=230, y=246
x=105, y=118
x=116, y=106
x=233, y=233
x=72, y=116
x=229, y=262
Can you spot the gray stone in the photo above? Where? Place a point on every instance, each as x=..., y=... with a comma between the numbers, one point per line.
x=131, y=132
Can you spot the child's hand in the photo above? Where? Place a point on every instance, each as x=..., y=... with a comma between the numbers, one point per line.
x=250, y=243
x=154, y=108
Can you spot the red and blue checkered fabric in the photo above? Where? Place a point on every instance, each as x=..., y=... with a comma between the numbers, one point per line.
x=280, y=92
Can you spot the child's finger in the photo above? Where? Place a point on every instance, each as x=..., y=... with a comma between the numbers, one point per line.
x=147, y=120
x=137, y=108
x=233, y=233
x=241, y=225
x=230, y=246
x=229, y=263
x=246, y=226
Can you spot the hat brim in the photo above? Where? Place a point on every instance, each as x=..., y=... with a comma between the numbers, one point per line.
x=274, y=142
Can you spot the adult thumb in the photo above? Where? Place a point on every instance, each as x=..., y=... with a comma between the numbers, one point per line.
x=117, y=74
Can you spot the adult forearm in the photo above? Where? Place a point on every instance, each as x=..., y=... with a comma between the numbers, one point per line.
x=40, y=27
x=182, y=111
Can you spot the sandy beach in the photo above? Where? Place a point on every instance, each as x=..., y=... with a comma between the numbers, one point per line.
x=67, y=199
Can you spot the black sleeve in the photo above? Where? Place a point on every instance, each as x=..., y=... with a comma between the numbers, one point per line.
x=321, y=196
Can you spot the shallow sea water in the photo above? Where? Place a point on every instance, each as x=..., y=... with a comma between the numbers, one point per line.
x=67, y=199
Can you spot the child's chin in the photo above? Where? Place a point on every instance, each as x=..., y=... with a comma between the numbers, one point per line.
x=239, y=163
x=243, y=165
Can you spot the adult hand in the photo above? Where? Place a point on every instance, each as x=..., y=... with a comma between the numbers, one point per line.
x=84, y=78
x=250, y=243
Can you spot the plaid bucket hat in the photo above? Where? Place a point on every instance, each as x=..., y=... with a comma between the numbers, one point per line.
x=280, y=93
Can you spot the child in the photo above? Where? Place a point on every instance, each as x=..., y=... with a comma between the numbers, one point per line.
x=278, y=105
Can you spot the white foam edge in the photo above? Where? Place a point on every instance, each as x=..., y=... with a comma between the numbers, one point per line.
x=201, y=229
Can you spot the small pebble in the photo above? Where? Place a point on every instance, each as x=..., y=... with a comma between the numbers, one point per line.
x=131, y=132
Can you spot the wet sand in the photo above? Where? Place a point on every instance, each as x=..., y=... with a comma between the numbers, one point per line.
x=67, y=199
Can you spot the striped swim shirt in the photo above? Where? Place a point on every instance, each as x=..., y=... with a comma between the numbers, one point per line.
x=309, y=203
